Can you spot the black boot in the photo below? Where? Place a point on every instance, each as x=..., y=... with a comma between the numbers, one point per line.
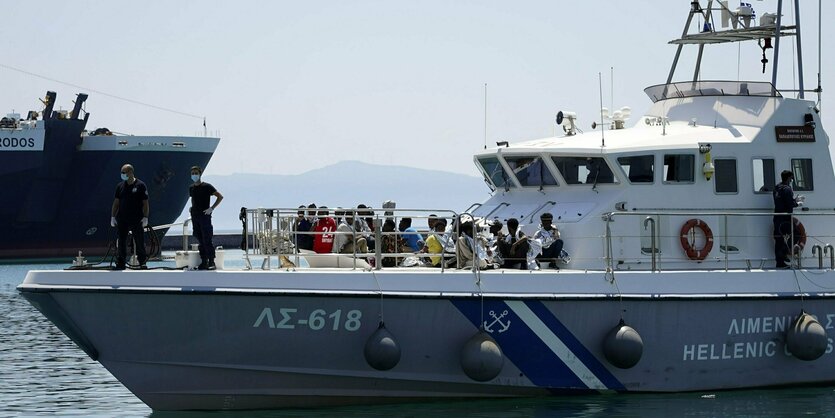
x=211, y=265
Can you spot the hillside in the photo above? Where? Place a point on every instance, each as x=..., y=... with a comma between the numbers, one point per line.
x=345, y=184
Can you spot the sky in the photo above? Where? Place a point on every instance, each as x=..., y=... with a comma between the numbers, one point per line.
x=294, y=86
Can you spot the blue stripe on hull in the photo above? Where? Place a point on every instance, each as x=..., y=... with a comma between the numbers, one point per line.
x=573, y=344
x=529, y=351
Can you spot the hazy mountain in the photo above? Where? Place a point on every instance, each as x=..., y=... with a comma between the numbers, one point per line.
x=345, y=184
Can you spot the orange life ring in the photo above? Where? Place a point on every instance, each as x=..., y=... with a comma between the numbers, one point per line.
x=689, y=249
x=800, y=236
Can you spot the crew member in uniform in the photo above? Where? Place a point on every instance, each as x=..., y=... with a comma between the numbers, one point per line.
x=130, y=213
x=201, y=217
x=784, y=202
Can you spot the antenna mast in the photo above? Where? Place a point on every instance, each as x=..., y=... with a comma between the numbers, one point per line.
x=820, y=30
x=602, y=137
x=612, y=87
x=485, y=115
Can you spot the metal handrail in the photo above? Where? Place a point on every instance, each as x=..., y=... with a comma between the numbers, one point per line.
x=818, y=250
x=472, y=207
x=551, y=202
x=260, y=223
x=496, y=208
x=649, y=220
x=610, y=217
x=185, y=230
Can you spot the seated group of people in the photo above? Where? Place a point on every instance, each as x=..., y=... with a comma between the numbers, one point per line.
x=513, y=249
x=352, y=232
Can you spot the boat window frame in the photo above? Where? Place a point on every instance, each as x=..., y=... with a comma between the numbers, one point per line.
x=811, y=179
x=510, y=181
x=641, y=154
x=545, y=158
x=663, y=164
x=716, y=175
x=616, y=180
x=773, y=174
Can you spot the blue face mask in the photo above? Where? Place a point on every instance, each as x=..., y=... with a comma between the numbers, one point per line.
x=124, y=177
x=195, y=178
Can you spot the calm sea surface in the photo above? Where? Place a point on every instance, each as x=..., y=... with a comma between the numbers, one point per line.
x=43, y=373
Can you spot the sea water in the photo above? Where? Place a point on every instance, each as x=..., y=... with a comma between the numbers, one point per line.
x=42, y=373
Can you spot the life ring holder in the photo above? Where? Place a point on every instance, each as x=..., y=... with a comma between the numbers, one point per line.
x=689, y=249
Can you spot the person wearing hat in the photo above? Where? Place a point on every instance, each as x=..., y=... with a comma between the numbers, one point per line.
x=549, y=237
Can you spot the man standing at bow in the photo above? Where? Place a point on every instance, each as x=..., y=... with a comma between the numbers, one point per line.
x=129, y=212
x=201, y=217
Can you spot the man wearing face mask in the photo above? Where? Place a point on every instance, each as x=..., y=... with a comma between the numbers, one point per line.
x=784, y=202
x=201, y=217
x=130, y=213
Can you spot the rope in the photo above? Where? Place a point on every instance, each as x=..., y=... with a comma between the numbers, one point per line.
x=380, y=289
x=113, y=96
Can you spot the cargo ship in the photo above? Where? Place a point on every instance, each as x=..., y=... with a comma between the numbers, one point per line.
x=58, y=180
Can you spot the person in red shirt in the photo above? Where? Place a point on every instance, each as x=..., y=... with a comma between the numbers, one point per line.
x=324, y=229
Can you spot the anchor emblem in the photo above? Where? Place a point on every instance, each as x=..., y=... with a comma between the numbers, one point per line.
x=497, y=320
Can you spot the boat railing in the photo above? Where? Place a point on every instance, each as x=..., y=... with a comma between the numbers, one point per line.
x=685, y=240
x=184, y=224
x=273, y=233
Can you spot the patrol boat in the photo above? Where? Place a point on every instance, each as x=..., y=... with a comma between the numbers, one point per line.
x=58, y=180
x=671, y=285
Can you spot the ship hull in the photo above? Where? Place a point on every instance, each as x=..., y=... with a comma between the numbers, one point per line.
x=189, y=340
x=77, y=217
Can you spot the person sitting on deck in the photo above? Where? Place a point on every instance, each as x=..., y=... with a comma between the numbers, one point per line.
x=434, y=244
x=323, y=229
x=547, y=238
x=430, y=222
x=410, y=235
x=390, y=244
x=347, y=240
x=364, y=225
x=471, y=246
x=303, y=225
x=496, y=235
x=514, y=246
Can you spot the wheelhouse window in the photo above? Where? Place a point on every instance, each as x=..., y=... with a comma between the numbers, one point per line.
x=802, y=169
x=763, y=175
x=584, y=170
x=531, y=171
x=678, y=168
x=495, y=172
x=638, y=168
x=725, y=176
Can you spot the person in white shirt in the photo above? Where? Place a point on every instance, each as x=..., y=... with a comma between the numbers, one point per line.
x=346, y=240
x=547, y=237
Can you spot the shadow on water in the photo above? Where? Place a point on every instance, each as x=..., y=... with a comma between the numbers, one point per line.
x=42, y=373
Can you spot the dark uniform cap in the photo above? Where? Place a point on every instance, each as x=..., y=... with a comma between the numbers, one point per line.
x=546, y=216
